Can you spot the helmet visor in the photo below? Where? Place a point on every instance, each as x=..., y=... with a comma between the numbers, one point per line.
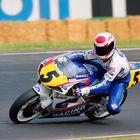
x=101, y=51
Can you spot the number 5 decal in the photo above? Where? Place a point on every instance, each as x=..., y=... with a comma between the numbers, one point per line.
x=135, y=78
x=50, y=76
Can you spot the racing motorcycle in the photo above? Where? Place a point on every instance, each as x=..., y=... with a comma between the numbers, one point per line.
x=53, y=95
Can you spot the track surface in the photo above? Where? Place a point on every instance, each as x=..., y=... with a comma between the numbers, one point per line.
x=18, y=73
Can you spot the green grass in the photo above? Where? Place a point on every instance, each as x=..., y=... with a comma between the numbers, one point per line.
x=43, y=46
x=129, y=44
x=114, y=138
x=102, y=18
x=122, y=138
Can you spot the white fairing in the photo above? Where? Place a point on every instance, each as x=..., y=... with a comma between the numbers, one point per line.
x=64, y=89
x=58, y=98
x=44, y=94
x=54, y=97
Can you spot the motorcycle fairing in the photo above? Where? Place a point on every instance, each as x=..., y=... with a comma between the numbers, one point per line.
x=50, y=75
x=66, y=106
x=75, y=111
x=54, y=74
x=44, y=93
x=63, y=102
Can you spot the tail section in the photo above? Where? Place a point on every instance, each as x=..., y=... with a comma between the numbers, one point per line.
x=134, y=74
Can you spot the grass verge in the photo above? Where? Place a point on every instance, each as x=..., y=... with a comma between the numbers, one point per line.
x=122, y=138
x=44, y=46
x=116, y=138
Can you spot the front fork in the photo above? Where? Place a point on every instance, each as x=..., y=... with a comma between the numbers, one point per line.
x=44, y=93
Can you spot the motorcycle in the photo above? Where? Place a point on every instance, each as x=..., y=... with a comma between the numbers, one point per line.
x=53, y=94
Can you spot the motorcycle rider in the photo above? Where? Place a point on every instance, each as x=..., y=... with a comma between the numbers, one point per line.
x=117, y=75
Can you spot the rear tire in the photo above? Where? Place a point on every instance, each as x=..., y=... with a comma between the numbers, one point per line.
x=96, y=114
x=22, y=109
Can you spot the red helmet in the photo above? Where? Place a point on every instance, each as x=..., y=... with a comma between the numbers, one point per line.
x=104, y=45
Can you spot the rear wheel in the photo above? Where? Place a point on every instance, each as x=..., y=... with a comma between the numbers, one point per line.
x=99, y=110
x=26, y=107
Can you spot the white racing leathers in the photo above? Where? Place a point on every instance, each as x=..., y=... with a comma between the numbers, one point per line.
x=115, y=79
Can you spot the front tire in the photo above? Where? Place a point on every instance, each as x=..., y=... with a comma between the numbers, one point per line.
x=25, y=108
x=100, y=112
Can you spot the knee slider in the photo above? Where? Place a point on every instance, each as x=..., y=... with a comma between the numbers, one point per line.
x=113, y=109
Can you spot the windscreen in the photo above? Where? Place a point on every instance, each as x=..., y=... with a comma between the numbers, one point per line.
x=68, y=68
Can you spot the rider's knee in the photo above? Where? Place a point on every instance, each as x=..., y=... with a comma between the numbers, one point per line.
x=113, y=109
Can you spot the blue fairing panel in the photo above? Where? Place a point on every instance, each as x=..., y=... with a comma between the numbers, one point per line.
x=134, y=66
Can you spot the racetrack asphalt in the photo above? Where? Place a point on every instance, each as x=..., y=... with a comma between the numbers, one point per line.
x=18, y=73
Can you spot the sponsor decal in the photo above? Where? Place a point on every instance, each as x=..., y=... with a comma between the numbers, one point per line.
x=75, y=54
x=98, y=85
x=23, y=10
x=59, y=96
x=90, y=68
x=72, y=112
x=63, y=87
x=62, y=105
x=82, y=70
x=36, y=88
x=12, y=10
x=75, y=81
x=82, y=76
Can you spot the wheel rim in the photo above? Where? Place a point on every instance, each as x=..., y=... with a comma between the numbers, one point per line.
x=24, y=114
x=101, y=110
x=101, y=114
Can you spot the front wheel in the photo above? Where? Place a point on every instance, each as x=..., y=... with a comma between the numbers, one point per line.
x=26, y=107
x=100, y=110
